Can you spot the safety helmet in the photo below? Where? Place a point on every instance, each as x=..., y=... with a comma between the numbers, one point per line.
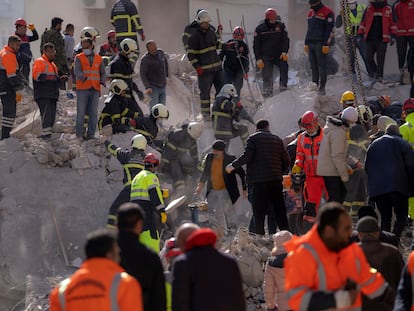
x=117, y=86
x=128, y=46
x=270, y=13
x=89, y=32
x=309, y=119
x=203, y=17
x=111, y=33
x=351, y=1
x=364, y=114
x=195, y=129
x=160, y=111
x=228, y=90
x=20, y=22
x=151, y=159
x=384, y=122
x=238, y=33
x=349, y=114
x=139, y=141
x=385, y=100
x=408, y=104
x=347, y=97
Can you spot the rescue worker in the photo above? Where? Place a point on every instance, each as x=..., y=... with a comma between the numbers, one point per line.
x=180, y=152
x=202, y=54
x=132, y=162
x=90, y=75
x=127, y=22
x=110, y=48
x=46, y=88
x=348, y=99
x=225, y=110
x=146, y=192
x=405, y=295
x=10, y=82
x=307, y=151
x=378, y=29
x=69, y=48
x=235, y=56
x=378, y=104
x=355, y=11
x=87, y=32
x=100, y=284
x=317, y=41
x=325, y=271
x=271, y=45
x=24, y=56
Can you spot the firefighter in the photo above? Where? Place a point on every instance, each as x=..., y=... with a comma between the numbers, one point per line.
x=24, y=56
x=235, y=54
x=317, y=41
x=226, y=109
x=271, y=45
x=110, y=48
x=202, y=54
x=132, y=162
x=148, y=125
x=307, y=151
x=348, y=99
x=10, y=82
x=146, y=192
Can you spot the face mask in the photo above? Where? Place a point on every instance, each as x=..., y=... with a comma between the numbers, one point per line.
x=352, y=6
x=87, y=52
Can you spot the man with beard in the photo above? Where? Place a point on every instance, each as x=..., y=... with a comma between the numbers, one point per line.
x=336, y=271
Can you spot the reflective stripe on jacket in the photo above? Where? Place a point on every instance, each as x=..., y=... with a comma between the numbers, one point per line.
x=141, y=187
x=125, y=18
x=8, y=68
x=45, y=78
x=355, y=20
x=222, y=112
x=307, y=151
x=202, y=50
x=92, y=73
x=388, y=26
x=403, y=14
x=407, y=129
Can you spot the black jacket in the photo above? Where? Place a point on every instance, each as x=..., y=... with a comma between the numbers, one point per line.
x=235, y=54
x=144, y=265
x=190, y=29
x=121, y=68
x=154, y=70
x=117, y=112
x=270, y=40
x=180, y=141
x=229, y=179
x=266, y=158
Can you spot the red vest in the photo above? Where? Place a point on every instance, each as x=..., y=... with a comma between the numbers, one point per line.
x=92, y=73
x=404, y=12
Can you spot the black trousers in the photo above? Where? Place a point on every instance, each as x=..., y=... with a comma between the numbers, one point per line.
x=268, y=195
x=47, y=107
x=123, y=197
x=317, y=62
x=336, y=188
x=402, y=46
x=8, y=100
x=378, y=48
x=267, y=74
x=205, y=82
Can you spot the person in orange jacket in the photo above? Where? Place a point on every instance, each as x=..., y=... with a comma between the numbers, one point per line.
x=336, y=271
x=100, y=284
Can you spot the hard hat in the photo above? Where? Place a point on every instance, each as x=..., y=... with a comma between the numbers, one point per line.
x=89, y=32
x=20, y=22
x=195, y=129
x=152, y=159
x=111, y=33
x=171, y=250
x=408, y=104
x=238, y=33
x=228, y=90
x=385, y=100
x=347, y=96
x=203, y=17
x=364, y=114
x=349, y=114
x=128, y=45
x=351, y=1
x=270, y=13
x=309, y=119
x=117, y=86
x=384, y=122
x=139, y=141
x=160, y=111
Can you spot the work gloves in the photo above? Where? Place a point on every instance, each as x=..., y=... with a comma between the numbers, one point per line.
x=325, y=49
x=260, y=64
x=200, y=71
x=31, y=27
x=163, y=217
x=284, y=57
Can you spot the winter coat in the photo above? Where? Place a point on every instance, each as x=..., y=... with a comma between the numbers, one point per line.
x=190, y=29
x=126, y=20
x=389, y=164
x=180, y=141
x=407, y=129
x=320, y=25
x=45, y=79
x=266, y=158
x=235, y=54
x=121, y=68
x=55, y=37
x=154, y=69
x=404, y=300
x=223, y=114
x=229, y=179
x=274, y=283
x=24, y=55
x=384, y=29
x=333, y=150
x=270, y=40
x=307, y=151
x=9, y=70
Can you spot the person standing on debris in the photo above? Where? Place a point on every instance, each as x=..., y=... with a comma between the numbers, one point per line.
x=267, y=160
x=46, y=82
x=90, y=75
x=138, y=260
x=235, y=56
x=271, y=45
x=10, y=82
x=100, y=284
x=145, y=191
x=206, y=279
x=132, y=162
x=202, y=54
x=110, y=48
x=336, y=271
x=154, y=73
x=69, y=48
x=222, y=188
x=378, y=29
x=24, y=56
x=317, y=41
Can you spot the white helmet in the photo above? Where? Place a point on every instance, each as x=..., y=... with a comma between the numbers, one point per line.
x=128, y=45
x=160, y=111
x=228, y=90
x=195, y=129
x=364, y=114
x=117, y=86
x=384, y=122
x=351, y=1
x=349, y=114
x=89, y=32
x=139, y=142
x=203, y=17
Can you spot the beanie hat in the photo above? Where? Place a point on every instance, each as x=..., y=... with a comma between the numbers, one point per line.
x=219, y=145
x=349, y=114
x=368, y=224
x=279, y=239
x=384, y=122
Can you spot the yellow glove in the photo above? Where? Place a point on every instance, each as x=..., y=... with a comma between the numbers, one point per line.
x=325, y=49
x=350, y=171
x=163, y=217
x=306, y=49
x=31, y=27
x=260, y=64
x=284, y=57
x=18, y=97
x=296, y=169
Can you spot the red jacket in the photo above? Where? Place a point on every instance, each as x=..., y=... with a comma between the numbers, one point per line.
x=388, y=26
x=403, y=13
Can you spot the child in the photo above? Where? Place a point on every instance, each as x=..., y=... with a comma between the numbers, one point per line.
x=292, y=191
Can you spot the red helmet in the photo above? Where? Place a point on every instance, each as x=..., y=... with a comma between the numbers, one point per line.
x=270, y=13
x=309, y=119
x=152, y=159
x=20, y=22
x=111, y=33
x=238, y=33
x=408, y=104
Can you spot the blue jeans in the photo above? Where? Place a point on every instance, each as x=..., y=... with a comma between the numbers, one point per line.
x=158, y=96
x=87, y=104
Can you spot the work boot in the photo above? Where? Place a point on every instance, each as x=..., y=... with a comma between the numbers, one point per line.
x=282, y=88
x=322, y=91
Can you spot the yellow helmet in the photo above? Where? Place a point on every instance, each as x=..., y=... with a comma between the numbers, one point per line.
x=347, y=96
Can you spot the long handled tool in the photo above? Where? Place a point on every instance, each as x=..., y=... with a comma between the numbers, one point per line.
x=59, y=236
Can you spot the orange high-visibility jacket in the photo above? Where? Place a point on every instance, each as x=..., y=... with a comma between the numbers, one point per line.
x=45, y=78
x=312, y=269
x=99, y=285
x=8, y=68
x=92, y=73
x=307, y=151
